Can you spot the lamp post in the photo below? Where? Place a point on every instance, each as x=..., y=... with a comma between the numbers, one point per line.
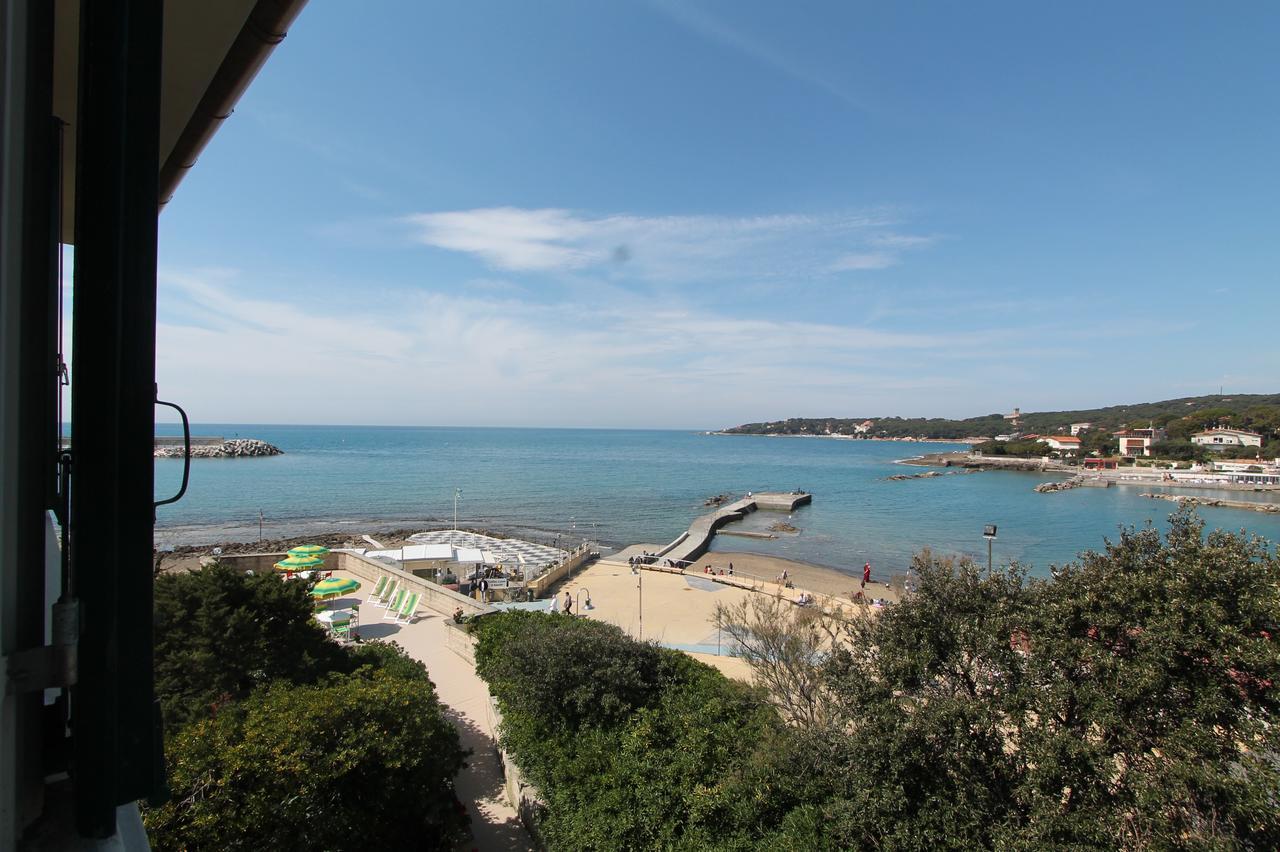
x=989, y=533
x=640, y=604
x=457, y=492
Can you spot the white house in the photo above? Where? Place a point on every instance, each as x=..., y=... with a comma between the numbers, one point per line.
x=1137, y=442
x=1221, y=438
x=1064, y=443
x=1077, y=428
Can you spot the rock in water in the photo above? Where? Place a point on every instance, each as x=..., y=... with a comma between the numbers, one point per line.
x=233, y=449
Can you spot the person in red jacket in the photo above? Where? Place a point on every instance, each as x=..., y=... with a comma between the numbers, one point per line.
x=866, y=574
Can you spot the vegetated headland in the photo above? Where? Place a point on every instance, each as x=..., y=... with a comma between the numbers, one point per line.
x=990, y=425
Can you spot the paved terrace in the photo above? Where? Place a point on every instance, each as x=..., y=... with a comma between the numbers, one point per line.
x=692, y=544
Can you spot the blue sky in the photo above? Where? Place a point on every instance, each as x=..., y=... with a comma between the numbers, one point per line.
x=696, y=214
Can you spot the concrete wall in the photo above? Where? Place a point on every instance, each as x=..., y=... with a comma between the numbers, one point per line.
x=576, y=560
x=436, y=598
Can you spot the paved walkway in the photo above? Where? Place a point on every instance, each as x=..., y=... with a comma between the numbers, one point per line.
x=494, y=823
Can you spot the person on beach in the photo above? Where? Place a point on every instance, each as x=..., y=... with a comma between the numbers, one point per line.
x=555, y=604
x=866, y=574
x=568, y=603
x=730, y=569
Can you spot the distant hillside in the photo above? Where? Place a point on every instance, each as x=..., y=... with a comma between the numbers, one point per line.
x=1260, y=412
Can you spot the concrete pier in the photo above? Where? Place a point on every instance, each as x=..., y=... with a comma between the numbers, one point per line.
x=693, y=543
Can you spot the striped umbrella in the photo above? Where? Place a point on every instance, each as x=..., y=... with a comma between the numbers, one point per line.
x=333, y=587
x=309, y=550
x=299, y=563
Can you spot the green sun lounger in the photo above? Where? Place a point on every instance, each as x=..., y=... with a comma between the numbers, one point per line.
x=397, y=601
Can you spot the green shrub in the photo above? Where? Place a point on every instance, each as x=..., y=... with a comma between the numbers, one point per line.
x=632, y=746
x=221, y=633
x=358, y=761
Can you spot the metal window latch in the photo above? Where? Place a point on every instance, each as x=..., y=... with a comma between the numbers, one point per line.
x=50, y=666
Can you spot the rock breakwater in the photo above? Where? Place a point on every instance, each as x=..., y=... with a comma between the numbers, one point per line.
x=1184, y=500
x=234, y=449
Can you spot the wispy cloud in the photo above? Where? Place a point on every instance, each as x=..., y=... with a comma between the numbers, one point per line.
x=496, y=359
x=872, y=260
x=667, y=247
x=717, y=30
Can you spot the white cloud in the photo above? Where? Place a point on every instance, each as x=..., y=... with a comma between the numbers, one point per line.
x=665, y=248
x=508, y=237
x=873, y=260
x=442, y=358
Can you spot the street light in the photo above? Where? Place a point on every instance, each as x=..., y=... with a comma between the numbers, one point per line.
x=457, y=492
x=989, y=533
x=640, y=604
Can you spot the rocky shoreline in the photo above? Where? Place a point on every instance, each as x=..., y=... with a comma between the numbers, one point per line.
x=969, y=462
x=1182, y=499
x=237, y=448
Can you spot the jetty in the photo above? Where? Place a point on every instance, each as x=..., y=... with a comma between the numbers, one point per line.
x=694, y=542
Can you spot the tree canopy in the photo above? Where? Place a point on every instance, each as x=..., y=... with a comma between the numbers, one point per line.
x=220, y=633
x=1128, y=701
x=276, y=736
x=1258, y=412
x=359, y=761
x=631, y=746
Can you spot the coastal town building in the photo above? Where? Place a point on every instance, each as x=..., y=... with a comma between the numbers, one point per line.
x=1062, y=443
x=1221, y=438
x=1015, y=418
x=1101, y=464
x=864, y=427
x=1138, y=442
x=1077, y=428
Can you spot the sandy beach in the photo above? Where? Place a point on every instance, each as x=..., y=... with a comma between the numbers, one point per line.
x=767, y=569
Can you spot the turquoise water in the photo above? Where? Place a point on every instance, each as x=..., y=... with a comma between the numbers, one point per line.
x=623, y=487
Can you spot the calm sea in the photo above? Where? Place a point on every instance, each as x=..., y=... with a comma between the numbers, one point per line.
x=622, y=487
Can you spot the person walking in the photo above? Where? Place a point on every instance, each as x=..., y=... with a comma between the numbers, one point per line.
x=568, y=603
x=866, y=574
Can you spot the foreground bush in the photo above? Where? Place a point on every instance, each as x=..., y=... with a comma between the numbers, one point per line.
x=359, y=761
x=632, y=746
x=221, y=633
x=278, y=737
x=1129, y=702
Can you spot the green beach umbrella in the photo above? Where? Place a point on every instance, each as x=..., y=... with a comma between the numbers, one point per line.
x=309, y=550
x=299, y=563
x=333, y=587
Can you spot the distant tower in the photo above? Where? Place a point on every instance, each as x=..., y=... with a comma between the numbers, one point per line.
x=1015, y=418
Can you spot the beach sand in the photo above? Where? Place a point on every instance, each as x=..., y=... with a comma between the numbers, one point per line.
x=767, y=569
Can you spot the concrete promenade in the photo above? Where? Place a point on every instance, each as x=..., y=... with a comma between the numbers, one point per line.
x=692, y=544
